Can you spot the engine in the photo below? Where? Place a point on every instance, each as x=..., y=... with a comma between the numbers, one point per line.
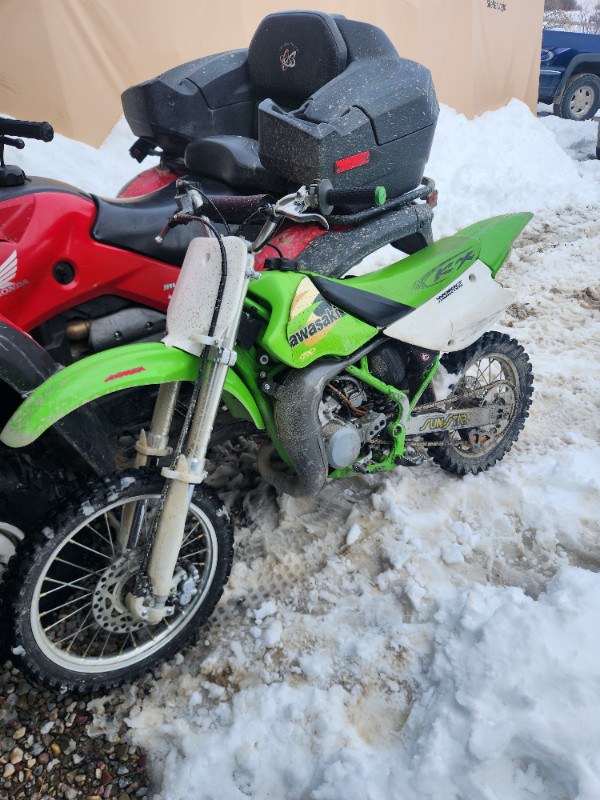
x=352, y=416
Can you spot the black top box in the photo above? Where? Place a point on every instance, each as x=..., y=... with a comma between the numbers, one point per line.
x=314, y=96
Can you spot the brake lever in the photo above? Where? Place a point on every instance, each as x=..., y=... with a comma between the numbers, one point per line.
x=294, y=207
x=189, y=201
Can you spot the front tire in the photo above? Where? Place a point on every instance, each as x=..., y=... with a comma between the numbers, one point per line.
x=63, y=592
x=581, y=98
x=494, y=370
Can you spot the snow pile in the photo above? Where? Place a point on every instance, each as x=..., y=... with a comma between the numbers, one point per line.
x=414, y=635
x=506, y=161
x=510, y=710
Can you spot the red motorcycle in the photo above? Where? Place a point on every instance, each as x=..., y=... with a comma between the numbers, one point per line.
x=314, y=100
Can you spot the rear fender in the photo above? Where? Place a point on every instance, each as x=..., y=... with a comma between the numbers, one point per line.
x=496, y=236
x=111, y=371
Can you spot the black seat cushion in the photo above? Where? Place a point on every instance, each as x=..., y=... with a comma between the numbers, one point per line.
x=233, y=160
x=133, y=223
x=372, y=308
x=294, y=53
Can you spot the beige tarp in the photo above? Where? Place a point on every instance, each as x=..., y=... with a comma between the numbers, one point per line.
x=67, y=61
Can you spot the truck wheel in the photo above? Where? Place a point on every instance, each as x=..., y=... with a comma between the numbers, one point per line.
x=580, y=99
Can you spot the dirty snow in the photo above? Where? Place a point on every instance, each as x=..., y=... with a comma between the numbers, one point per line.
x=415, y=635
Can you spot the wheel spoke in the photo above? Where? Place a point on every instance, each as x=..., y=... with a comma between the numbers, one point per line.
x=62, y=619
x=195, y=553
x=70, y=585
x=108, y=531
x=78, y=566
x=91, y=642
x=83, y=627
x=105, y=643
x=129, y=636
x=64, y=605
x=90, y=549
x=190, y=534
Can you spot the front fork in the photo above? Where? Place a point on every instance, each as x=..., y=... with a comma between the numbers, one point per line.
x=185, y=474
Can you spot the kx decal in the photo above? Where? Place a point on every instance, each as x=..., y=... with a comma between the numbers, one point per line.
x=444, y=270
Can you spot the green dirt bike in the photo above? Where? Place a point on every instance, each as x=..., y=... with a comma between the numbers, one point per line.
x=336, y=374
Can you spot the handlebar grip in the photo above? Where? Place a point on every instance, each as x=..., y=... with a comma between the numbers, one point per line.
x=28, y=130
x=372, y=196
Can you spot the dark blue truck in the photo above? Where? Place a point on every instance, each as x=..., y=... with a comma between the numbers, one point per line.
x=570, y=73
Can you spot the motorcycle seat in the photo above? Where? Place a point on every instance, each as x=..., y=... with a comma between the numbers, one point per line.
x=371, y=308
x=133, y=223
x=233, y=160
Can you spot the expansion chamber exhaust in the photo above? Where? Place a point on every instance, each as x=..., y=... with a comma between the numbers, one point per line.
x=299, y=427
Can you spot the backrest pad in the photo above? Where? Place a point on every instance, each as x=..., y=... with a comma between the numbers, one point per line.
x=294, y=53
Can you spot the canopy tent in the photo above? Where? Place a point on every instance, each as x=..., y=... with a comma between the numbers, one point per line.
x=67, y=61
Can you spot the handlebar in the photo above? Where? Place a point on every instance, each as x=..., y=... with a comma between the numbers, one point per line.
x=235, y=209
x=28, y=130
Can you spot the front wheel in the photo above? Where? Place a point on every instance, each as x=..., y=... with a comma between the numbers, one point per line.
x=63, y=595
x=495, y=370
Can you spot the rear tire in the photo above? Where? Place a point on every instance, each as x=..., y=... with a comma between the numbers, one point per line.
x=494, y=357
x=62, y=598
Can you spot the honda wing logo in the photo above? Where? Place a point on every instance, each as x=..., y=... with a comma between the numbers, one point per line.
x=8, y=273
x=8, y=270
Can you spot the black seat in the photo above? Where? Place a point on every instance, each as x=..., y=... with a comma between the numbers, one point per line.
x=233, y=160
x=133, y=224
x=371, y=308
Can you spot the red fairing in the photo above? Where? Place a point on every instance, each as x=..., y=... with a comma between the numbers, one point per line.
x=291, y=240
x=149, y=181
x=40, y=230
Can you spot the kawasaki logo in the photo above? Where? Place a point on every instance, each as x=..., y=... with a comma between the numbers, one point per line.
x=323, y=322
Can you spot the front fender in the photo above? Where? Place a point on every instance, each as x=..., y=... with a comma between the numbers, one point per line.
x=107, y=372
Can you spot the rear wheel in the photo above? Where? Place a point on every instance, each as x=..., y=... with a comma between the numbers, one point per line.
x=496, y=371
x=64, y=591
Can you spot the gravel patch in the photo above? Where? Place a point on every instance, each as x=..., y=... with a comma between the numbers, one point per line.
x=68, y=746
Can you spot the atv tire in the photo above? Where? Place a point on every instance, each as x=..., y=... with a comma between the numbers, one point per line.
x=492, y=358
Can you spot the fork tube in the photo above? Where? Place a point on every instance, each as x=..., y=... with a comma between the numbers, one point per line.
x=156, y=442
x=151, y=445
x=189, y=468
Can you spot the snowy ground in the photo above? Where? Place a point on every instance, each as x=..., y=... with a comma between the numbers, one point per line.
x=415, y=635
